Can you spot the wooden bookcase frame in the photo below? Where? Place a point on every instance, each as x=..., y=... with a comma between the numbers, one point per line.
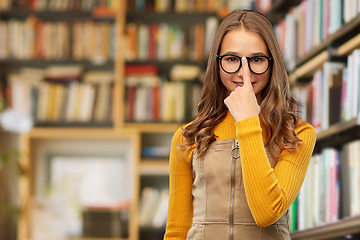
x=306, y=67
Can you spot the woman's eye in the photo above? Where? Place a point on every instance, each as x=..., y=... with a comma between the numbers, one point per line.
x=232, y=59
x=257, y=59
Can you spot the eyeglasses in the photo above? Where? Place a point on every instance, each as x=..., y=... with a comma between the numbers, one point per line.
x=231, y=63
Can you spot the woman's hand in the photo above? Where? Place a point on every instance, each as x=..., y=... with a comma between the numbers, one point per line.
x=242, y=102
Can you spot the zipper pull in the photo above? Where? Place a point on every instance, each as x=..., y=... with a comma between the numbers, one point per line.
x=235, y=153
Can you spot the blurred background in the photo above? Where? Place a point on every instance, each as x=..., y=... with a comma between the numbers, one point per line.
x=91, y=92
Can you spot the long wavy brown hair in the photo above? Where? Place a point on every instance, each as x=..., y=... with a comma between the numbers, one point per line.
x=279, y=114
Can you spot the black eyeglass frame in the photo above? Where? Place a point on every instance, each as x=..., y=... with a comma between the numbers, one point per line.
x=219, y=57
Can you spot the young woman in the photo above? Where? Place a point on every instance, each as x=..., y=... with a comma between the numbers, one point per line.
x=238, y=166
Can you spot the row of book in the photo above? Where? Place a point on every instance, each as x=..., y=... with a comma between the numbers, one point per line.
x=138, y=5
x=169, y=41
x=153, y=207
x=68, y=101
x=331, y=189
x=164, y=101
x=58, y=5
x=337, y=88
x=37, y=39
x=105, y=223
x=199, y=6
x=308, y=24
x=155, y=152
x=151, y=98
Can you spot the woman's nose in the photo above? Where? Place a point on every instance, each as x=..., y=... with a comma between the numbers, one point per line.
x=240, y=71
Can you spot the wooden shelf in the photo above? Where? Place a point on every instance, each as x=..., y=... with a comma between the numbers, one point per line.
x=337, y=129
x=343, y=227
x=338, y=134
x=79, y=133
x=164, y=67
x=279, y=9
x=97, y=239
x=347, y=31
x=171, y=17
x=154, y=167
x=53, y=15
x=154, y=159
x=314, y=60
x=154, y=127
x=75, y=124
x=308, y=69
x=152, y=230
x=94, y=239
x=349, y=46
x=42, y=63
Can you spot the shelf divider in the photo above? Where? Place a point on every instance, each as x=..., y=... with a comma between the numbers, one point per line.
x=349, y=46
x=343, y=227
x=307, y=69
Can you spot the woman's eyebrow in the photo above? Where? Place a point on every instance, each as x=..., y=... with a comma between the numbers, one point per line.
x=258, y=53
x=237, y=54
x=231, y=52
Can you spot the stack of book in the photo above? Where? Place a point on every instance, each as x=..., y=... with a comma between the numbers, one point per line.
x=308, y=24
x=200, y=6
x=57, y=94
x=331, y=189
x=38, y=39
x=58, y=5
x=152, y=99
x=336, y=87
x=153, y=207
x=165, y=42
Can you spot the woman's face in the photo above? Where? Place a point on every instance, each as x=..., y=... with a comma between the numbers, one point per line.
x=243, y=43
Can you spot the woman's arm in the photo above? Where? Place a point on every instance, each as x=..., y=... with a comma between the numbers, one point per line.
x=180, y=212
x=270, y=192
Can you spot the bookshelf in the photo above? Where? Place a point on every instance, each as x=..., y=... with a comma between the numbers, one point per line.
x=153, y=166
x=307, y=69
x=345, y=227
x=105, y=133
x=153, y=171
x=338, y=134
x=335, y=47
x=278, y=9
x=62, y=141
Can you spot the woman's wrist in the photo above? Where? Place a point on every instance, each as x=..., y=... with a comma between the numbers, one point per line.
x=247, y=127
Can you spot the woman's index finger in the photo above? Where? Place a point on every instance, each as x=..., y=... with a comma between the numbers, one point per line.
x=246, y=72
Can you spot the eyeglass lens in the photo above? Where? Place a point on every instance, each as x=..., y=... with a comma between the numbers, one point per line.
x=257, y=64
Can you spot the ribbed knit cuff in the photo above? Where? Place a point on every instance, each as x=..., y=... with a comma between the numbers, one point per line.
x=249, y=134
x=248, y=128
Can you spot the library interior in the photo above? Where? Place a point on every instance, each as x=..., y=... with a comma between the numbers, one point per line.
x=94, y=85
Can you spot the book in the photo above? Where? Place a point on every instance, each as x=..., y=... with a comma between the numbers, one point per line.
x=98, y=77
x=153, y=207
x=148, y=199
x=63, y=72
x=161, y=208
x=331, y=93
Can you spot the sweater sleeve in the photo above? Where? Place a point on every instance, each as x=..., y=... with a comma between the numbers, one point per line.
x=270, y=192
x=180, y=210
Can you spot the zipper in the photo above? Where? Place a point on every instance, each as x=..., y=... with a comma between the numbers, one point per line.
x=235, y=155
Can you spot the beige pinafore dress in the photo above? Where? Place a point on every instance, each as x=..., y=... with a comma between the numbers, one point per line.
x=220, y=206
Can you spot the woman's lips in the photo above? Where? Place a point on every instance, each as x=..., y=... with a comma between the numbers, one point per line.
x=240, y=84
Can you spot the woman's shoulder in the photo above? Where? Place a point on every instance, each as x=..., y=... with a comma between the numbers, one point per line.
x=178, y=137
x=305, y=126
x=180, y=130
x=178, y=140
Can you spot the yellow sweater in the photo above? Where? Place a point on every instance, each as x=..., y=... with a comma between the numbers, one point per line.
x=269, y=192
